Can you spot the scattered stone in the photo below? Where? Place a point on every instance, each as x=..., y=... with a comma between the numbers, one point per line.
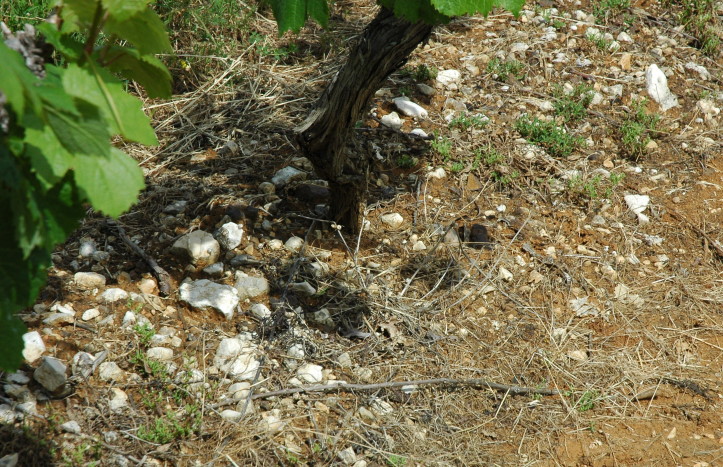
x=658, y=90
x=626, y=61
x=231, y=415
x=175, y=207
x=162, y=354
x=229, y=235
x=700, y=69
x=236, y=357
x=449, y=78
x=577, y=355
x=215, y=270
x=381, y=407
x=82, y=364
x=89, y=280
x=409, y=108
x=323, y=318
x=347, y=456
x=419, y=132
x=272, y=424
x=394, y=220
x=34, y=346
x=204, y=293
x=310, y=373
x=51, y=375
x=439, y=173
x=244, y=260
x=426, y=89
x=452, y=237
x=275, y=244
x=344, y=360
x=505, y=274
x=148, y=285
x=110, y=371
x=250, y=286
x=637, y=204
x=7, y=414
x=287, y=175
x=303, y=288
x=114, y=294
x=624, y=37
x=294, y=244
x=90, y=314
x=707, y=108
x=419, y=246
x=19, y=377
x=119, y=401
x=71, y=427
x=87, y=248
x=260, y=311
x=199, y=247
x=392, y=121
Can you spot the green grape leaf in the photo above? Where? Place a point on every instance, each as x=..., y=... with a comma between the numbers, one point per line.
x=78, y=14
x=147, y=70
x=48, y=157
x=289, y=14
x=513, y=6
x=144, y=30
x=17, y=82
x=463, y=7
x=123, y=9
x=87, y=135
x=414, y=11
x=112, y=183
x=319, y=11
x=122, y=111
x=66, y=44
x=11, y=337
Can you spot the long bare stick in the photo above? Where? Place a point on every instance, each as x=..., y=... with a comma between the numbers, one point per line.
x=445, y=382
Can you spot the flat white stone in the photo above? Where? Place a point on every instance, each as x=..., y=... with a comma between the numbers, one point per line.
x=392, y=120
x=294, y=244
x=199, y=247
x=310, y=373
x=286, y=175
x=110, y=371
x=114, y=294
x=162, y=354
x=204, y=293
x=119, y=401
x=34, y=346
x=657, y=85
x=393, y=220
x=260, y=311
x=700, y=69
x=448, y=77
x=89, y=280
x=250, y=286
x=409, y=108
x=230, y=235
x=90, y=313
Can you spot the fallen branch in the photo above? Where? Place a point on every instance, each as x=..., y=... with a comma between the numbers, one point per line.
x=710, y=240
x=444, y=382
x=164, y=279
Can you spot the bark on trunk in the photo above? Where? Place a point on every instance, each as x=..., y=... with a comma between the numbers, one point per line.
x=383, y=48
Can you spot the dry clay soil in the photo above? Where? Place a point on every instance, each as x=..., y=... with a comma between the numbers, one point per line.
x=571, y=292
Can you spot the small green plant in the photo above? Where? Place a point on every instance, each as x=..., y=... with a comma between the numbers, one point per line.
x=442, y=146
x=491, y=157
x=504, y=69
x=596, y=186
x=457, y=166
x=602, y=9
x=466, y=122
x=16, y=13
x=424, y=73
x=405, y=91
x=636, y=129
x=700, y=19
x=405, y=161
x=553, y=138
x=145, y=333
x=504, y=179
x=599, y=41
x=573, y=106
x=168, y=428
x=586, y=402
x=549, y=19
x=395, y=460
x=261, y=43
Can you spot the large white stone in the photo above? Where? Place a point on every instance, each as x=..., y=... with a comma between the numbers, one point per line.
x=657, y=85
x=199, y=247
x=51, y=374
x=236, y=357
x=392, y=121
x=33, y=346
x=250, y=286
x=204, y=293
x=310, y=373
x=89, y=280
x=393, y=220
x=114, y=294
x=409, y=108
x=230, y=235
x=449, y=77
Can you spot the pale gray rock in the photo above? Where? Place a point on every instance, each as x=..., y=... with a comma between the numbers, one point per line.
x=449, y=78
x=236, y=357
x=114, y=294
x=215, y=270
x=231, y=415
x=110, y=371
x=323, y=318
x=392, y=120
x=624, y=37
x=347, y=456
x=118, y=401
x=310, y=373
x=199, y=247
x=250, y=286
x=175, y=207
x=394, y=220
x=82, y=364
x=87, y=247
x=700, y=69
x=204, y=293
x=90, y=314
x=7, y=414
x=162, y=354
x=294, y=244
x=19, y=377
x=409, y=108
x=272, y=424
x=71, y=427
x=344, y=360
x=89, y=280
x=267, y=188
x=287, y=175
x=230, y=235
x=260, y=311
x=51, y=374
x=34, y=346
x=302, y=288
x=657, y=85
x=419, y=132
x=426, y=89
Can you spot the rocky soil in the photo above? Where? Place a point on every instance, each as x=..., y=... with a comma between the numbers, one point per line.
x=538, y=282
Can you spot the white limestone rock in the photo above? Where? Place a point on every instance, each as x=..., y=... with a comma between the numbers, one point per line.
x=204, y=293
